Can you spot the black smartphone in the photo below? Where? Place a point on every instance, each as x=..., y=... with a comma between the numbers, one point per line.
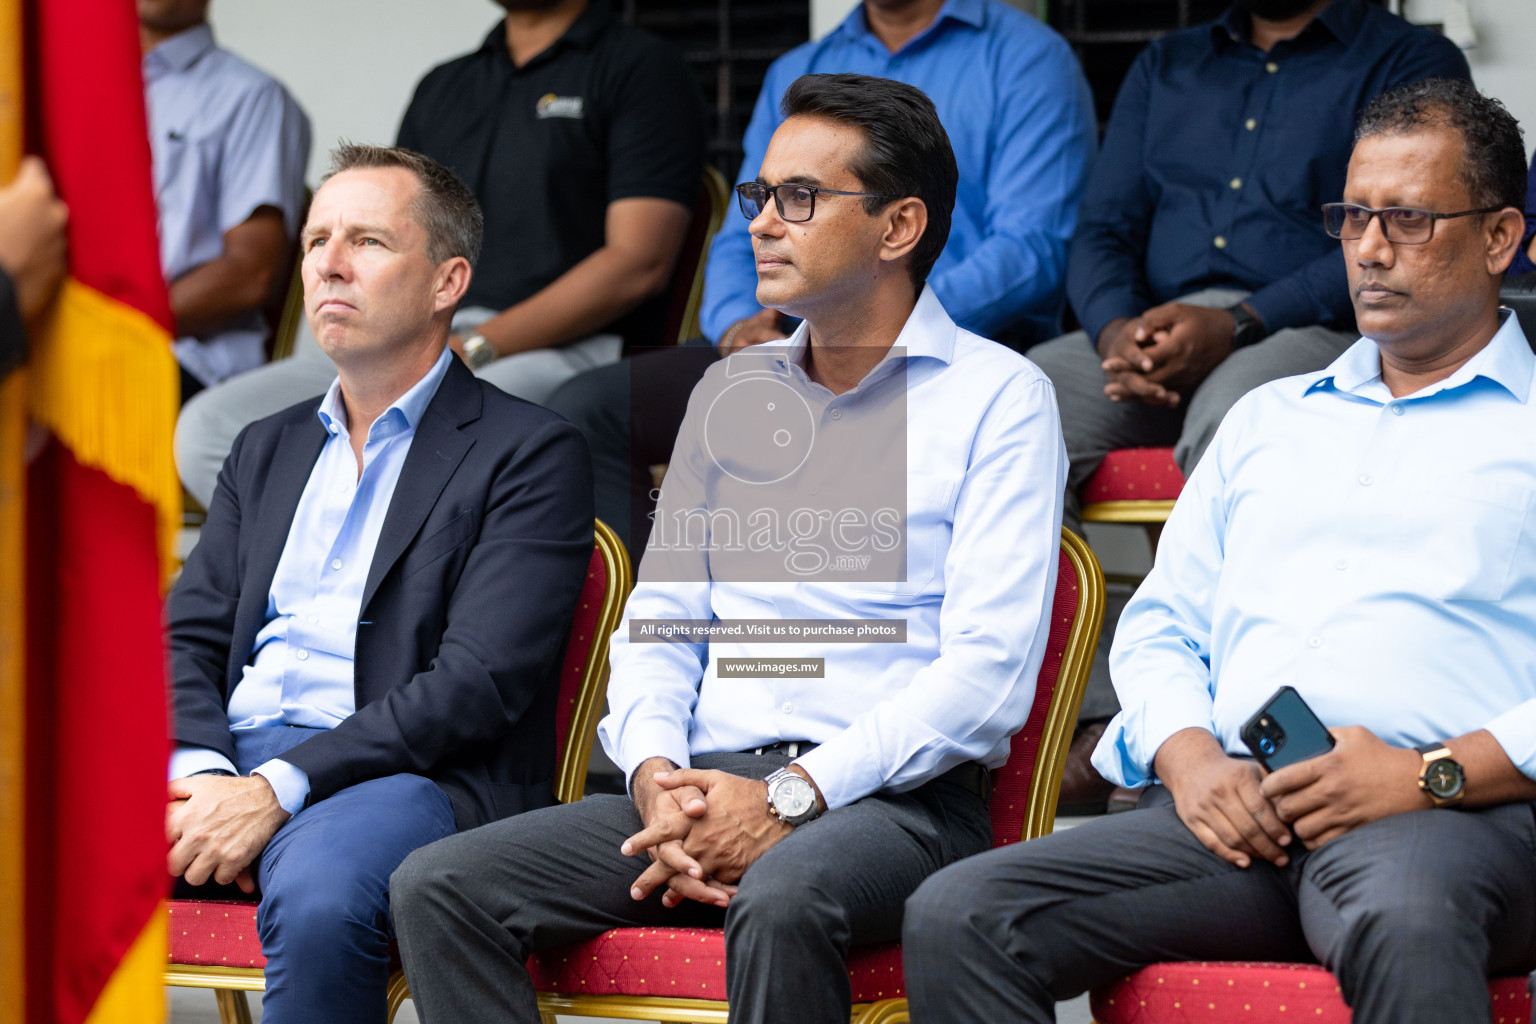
x=1285, y=731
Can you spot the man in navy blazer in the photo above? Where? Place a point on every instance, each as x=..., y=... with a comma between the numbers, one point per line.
x=366, y=641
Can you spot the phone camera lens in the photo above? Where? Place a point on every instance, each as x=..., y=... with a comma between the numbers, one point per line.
x=1267, y=745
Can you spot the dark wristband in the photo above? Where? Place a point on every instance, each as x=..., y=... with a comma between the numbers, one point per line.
x=1247, y=329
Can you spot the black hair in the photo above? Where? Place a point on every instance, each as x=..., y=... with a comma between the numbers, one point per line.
x=906, y=151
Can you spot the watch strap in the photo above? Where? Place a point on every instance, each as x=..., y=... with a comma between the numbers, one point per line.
x=779, y=775
x=1247, y=329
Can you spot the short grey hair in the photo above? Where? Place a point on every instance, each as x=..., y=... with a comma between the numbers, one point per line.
x=444, y=206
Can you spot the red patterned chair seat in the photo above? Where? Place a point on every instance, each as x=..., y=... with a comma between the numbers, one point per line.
x=1135, y=474
x=214, y=933
x=1255, y=993
x=683, y=963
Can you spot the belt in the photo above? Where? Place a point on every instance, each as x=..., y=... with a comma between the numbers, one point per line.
x=971, y=775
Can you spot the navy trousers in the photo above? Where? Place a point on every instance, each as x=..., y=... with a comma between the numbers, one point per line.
x=324, y=915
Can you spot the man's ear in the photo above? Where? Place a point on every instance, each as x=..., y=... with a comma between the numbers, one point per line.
x=905, y=222
x=452, y=282
x=1503, y=230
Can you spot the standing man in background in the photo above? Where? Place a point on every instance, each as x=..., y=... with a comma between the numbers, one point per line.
x=582, y=137
x=230, y=146
x=1019, y=115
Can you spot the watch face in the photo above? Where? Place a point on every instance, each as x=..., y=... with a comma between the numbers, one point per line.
x=1443, y=779
x=793, y=797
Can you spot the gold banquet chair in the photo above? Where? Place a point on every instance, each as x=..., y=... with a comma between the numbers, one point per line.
x=678, y=974
x=213, y=943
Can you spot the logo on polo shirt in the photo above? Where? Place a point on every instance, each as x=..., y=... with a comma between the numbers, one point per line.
x=550, y=105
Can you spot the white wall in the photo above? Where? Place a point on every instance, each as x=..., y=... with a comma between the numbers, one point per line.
x=351, y=64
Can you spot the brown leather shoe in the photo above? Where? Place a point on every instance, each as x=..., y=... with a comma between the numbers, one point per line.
x=1083, y=790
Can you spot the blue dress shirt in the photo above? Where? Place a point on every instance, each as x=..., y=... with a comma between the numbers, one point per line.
x=1218, y=156
x=225, y=139
x=1376, y=553
x=984, y=472
x=301, y=667
x=1020, y=118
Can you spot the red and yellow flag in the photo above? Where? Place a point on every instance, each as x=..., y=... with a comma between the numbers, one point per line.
x=86, y=529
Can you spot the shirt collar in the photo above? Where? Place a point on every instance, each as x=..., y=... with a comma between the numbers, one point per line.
x=971, y=12
x=180, y=51
x=1342, y=19
x=1507, y=360
x=409, y=407
x=928, y=333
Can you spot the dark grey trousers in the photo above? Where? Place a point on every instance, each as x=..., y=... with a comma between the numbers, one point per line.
x=469, y=910
x=1413, y=913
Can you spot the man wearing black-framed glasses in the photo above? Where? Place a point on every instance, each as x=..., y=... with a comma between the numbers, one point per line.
x=1362, y=534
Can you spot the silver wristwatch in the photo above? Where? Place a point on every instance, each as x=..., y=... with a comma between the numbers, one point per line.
x=791, y=799
x=477, y=351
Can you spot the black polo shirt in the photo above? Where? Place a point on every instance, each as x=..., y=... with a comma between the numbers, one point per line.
x=608, y=112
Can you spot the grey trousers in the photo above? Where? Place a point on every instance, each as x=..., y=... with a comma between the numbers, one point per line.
x=1412, y=913
x=1094, y=426
x=212, y=418
x=469, y=909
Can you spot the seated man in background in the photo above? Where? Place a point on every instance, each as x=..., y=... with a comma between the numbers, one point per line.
x=583, y=139
x=1362, y=534
x=366, y=641
x=229, y=147
x=808, y=808
x=1019, y=115
x=32, y=253
x=1200, y=268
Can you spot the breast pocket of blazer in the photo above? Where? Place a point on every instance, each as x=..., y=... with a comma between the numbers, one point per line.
x=432, y=549
x=1460, y=541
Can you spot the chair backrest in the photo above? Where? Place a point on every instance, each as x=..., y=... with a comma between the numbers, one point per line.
x=686, y=292
x=1519, y=294
x=291, y=313
x=584, y=672
x=1025, y=789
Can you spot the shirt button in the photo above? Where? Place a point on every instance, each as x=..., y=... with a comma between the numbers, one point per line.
x=1397, y=409
x=1236, y=183
x=333, y=428
x=335, y=563
x=1271, y=67
x=301, y=655
x=1366, y=480
x=788, y=708
x=837, y=414
x=1341, y=564
x=1316, y=641
x=313, y=619
x=1220, y=242
x=1251, y=123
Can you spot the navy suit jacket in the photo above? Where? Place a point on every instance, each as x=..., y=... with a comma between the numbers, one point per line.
x=465, y=612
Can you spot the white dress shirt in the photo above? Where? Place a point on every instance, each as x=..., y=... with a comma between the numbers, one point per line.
x=1376, y=553
x=301, y=670
x=983, y=471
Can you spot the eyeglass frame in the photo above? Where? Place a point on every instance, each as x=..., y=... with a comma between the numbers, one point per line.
x=778, y=203
x=1375, y=214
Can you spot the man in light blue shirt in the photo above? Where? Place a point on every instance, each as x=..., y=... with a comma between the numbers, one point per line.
x=1020, y=118
x=876, y=497
x=229, y=146
x=1363, y=535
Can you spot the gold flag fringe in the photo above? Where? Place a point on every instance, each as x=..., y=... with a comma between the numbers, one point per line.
x=103, y=379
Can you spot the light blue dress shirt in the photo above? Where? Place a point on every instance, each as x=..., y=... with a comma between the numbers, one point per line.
x=1376, y=553
x=225, y=139
x=1019, y=115
x=301, y=670
x=984, y=473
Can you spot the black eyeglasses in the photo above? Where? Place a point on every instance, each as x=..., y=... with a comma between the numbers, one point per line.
x=796, y=203
x=1401, y=224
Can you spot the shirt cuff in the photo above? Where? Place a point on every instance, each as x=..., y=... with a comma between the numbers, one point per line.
x=720, y=319
x=288, y=781
x=191, y=760
x=1515, y=731
x=1281, y=305
x=841, y=778
x=642, y=741
x=1132, y=739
